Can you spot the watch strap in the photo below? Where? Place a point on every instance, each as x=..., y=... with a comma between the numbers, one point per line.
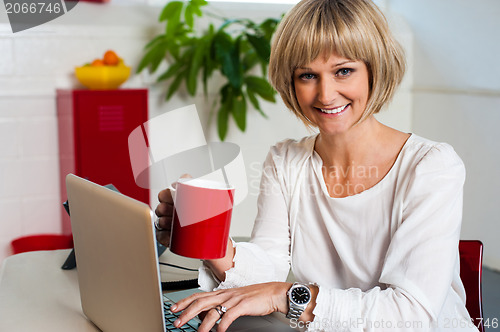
x=294, y=312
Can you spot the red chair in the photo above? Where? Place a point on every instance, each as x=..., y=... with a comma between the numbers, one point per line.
x=471, y=262
x=42, y=242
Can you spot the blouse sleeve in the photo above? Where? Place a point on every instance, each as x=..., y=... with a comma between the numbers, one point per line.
x=266, y=257
x=419, y=265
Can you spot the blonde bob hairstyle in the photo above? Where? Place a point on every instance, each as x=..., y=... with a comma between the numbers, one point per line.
x=353, y=29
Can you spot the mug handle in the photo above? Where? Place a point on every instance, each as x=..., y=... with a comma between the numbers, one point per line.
x=173, y=191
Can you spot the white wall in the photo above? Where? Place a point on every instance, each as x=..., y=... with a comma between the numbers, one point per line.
x=35, y=62
x=32, y=65
x=456, y=99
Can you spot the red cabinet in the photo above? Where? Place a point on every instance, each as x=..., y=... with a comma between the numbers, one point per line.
x=94, y=126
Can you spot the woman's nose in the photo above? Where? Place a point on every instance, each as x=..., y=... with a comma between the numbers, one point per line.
x=327, y=92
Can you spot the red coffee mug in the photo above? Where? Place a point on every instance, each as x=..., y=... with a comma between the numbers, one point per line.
x=201, y=219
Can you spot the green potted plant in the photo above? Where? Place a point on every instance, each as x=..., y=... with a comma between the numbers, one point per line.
x=192, y=55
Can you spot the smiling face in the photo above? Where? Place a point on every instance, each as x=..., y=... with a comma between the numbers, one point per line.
x=332, y=92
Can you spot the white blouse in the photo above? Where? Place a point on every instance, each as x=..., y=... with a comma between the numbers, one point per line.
x=384, y=259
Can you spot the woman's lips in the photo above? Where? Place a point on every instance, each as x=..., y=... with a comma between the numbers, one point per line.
x=333, y=111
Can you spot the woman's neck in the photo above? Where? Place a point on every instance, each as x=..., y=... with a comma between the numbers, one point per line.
x=357, y=146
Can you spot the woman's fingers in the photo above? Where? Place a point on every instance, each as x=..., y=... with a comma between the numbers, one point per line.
x=211, y=316
x=253, y=300
x=227, y=319
x=233, y=301
x=164, y=210
x=185, y=302
x=210, y=320
x=165, y=196
x=231, y=310
x=197, y=303
x=163, y=237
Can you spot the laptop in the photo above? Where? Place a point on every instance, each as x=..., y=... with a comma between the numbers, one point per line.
x=117, y=265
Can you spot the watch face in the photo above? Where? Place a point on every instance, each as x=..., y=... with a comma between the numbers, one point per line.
x=300, y=295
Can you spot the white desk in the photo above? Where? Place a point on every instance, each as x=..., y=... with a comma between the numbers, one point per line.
x=37, y=295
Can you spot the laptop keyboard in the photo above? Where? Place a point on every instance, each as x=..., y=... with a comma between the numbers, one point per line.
x=171, y=317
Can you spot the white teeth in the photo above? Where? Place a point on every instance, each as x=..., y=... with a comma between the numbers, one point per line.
x=334, y=111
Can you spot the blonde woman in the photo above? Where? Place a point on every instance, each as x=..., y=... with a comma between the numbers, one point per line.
x=367, y=217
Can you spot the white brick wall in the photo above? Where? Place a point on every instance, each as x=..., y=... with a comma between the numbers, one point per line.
x=33, y=64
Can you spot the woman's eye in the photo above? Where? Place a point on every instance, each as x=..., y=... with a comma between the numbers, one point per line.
x=306, y=76
x=344, y=72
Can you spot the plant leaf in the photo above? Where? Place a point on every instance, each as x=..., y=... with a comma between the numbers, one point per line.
x=235, y=59
x=208, y=63
x=253, y=99
x=175, y=84
x=188, y=15
x=170, y=10
x=154, y=41
x=226, y=100
x=226, y=53
x=196, y=5
x=153, y=57
x=268, y=27
x=197, y=11
x=199, y=3
x=227, y=23
x=255, y=102
x=239, y=111
x=171, y=71
x=250, y=59
x=173, y=22
x=261, y=46
x=261, y=87
x=222, y=121
x=196, y=62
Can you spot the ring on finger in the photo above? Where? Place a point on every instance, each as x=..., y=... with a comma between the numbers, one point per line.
x=157, y=224
x=219, y=311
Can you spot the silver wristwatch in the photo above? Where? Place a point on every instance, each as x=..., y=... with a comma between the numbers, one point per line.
x=299, y=296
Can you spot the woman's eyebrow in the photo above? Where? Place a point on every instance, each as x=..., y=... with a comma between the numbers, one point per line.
x=334, y=66
x=343, y=63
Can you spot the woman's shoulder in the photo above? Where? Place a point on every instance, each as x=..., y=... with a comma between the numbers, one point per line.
x=288, y=156
x=293, y=148
x=428, y=155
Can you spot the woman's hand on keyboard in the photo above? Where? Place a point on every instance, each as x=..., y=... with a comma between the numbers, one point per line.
x=253, y=300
